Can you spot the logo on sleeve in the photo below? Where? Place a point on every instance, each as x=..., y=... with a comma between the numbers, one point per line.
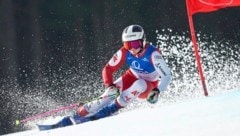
x=158, y=65
x=158, y=57
x=115, y=59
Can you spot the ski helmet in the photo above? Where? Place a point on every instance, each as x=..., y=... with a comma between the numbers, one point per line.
x=132, y=33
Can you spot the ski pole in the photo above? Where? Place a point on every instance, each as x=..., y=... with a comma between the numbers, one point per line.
x=46, y=113
x=17, y=122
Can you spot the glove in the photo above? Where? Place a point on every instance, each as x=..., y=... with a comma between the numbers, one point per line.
x=153, y=96
x=112, y=91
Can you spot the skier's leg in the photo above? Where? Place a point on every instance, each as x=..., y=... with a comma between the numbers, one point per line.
x=123, y=82
x=94, y=106
x=131, y=93
x=125, y=97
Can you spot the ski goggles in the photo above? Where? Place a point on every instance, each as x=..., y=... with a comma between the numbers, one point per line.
x=132, y=44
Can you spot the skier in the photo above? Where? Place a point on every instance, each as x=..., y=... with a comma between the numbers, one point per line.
x=141, y=80
x=146, y=77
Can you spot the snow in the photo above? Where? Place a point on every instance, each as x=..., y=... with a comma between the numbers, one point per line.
x=217, y=115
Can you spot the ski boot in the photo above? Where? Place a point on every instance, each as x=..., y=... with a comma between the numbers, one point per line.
x=106, y=111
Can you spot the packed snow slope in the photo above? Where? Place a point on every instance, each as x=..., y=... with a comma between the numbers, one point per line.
x=217, y=115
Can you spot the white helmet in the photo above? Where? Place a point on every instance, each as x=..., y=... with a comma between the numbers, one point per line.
x=133, y=32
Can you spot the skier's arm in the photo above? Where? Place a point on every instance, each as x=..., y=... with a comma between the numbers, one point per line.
x=113, y=65
x=163, y=70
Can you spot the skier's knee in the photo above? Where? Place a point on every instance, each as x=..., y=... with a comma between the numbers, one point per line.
x=130, y=94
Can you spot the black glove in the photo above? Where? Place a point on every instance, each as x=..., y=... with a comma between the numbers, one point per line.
x=153, y=96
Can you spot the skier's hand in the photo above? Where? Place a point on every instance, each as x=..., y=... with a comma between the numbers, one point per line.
x=112, y=91
x=153, y=96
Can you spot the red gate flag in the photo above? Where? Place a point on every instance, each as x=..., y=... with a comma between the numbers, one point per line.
x=195, y=6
